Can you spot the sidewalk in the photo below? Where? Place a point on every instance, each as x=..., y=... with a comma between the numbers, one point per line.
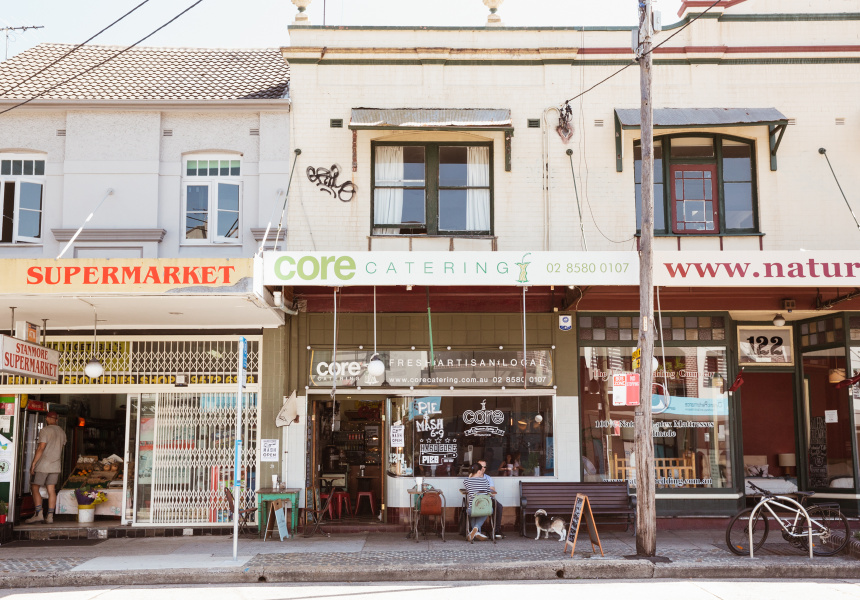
x=390, y=557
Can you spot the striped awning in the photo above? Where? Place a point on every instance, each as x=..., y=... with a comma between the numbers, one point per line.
x=702, y=117
x=431, y=118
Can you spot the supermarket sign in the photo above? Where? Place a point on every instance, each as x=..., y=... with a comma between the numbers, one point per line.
x=449, y=268
x=31, y=360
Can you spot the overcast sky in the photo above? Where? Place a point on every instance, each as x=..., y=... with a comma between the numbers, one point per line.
x=263, y=23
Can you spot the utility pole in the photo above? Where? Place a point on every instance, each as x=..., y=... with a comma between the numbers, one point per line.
x=646, y=514
x=20, y=28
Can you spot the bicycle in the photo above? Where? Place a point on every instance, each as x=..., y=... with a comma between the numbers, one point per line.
x=828, y=526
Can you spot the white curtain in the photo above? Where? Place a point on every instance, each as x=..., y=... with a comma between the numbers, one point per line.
x=388, y=202
x=477, y=200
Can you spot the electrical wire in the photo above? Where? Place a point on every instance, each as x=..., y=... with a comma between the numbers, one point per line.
x=51, y=64
x=636, y=60
x=126, y=49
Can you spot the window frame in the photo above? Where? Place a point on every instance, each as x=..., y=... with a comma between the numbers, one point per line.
x=431, y=190
x=17, y=180
x=717, y=160
x=211, y=182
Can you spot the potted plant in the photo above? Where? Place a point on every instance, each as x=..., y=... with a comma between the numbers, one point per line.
x=88, y=496
x=532, y=464
x=4, y=510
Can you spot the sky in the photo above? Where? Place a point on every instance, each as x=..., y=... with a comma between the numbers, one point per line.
x=263, y=23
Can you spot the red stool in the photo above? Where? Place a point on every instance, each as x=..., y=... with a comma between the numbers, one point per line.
x=340, y=498
x=369, y=496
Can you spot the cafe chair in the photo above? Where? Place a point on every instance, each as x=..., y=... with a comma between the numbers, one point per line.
x=339, y=499
x=482, y=506
x=370, y=499
x=432, y=504
x=316, y=514
x=244, y=513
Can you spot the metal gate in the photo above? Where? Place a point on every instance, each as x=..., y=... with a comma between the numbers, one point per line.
x=193, y=442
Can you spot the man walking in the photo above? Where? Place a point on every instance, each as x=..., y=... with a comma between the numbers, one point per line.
x=46, y=466
x=497, y=506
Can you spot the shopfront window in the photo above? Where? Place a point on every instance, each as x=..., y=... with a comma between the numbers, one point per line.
x=827, y=418
x=690, y=417
x=437, y=436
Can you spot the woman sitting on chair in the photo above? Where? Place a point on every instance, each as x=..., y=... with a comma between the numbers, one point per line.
x=475, y=484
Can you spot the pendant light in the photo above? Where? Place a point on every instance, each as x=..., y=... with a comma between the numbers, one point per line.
x=375, y=367
x=94, y=368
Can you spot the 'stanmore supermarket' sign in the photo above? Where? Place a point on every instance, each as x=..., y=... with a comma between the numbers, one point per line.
x=684, y=269
x=24, y=358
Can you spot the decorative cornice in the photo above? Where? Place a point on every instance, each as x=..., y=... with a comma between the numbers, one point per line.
x=111, y=235
x=259, y=232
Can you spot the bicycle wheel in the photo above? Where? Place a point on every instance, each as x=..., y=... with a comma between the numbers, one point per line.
x=830, y=531
x=738, y=532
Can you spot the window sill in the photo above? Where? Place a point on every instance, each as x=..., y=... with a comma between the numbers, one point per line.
x=20, y=245
x=704, y=235
x=210, y=245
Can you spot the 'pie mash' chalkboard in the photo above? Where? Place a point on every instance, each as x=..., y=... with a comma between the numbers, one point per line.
x=582, y=510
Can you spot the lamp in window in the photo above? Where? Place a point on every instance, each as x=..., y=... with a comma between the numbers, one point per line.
x=779, y=320
x=787, y=461
x=94, y=368
x=836, y=375
x=717, y=381
x=375, y=367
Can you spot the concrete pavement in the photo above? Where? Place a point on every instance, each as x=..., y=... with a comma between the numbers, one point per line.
x=391, y=557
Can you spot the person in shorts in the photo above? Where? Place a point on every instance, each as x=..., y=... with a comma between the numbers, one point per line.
x=46, y=466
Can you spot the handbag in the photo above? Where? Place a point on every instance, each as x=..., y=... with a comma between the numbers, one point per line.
x=482, y=505
x=431, y=503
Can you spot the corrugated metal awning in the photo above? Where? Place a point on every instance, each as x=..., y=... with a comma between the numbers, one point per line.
x=431, y=118
x=680, y=118
x=699, y=117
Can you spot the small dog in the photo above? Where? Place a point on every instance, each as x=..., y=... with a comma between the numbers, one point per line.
x=547, y=524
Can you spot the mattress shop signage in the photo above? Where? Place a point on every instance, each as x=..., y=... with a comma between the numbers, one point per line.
x=453, y=368
x=449, y=268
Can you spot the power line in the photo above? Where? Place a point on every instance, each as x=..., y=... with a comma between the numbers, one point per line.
x=636, y=60
x=126, y=49
x=48, y=66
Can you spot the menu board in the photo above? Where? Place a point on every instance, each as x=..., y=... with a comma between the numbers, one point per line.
x=817, y=452
x=582, y=510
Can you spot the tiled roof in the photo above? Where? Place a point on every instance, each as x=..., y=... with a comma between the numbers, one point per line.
x=147, y=74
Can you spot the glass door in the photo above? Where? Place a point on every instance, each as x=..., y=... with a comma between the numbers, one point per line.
x=144, y=432
x=827, y=420
x=130, y=457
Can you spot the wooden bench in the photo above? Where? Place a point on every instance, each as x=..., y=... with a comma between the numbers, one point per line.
x=610, y=501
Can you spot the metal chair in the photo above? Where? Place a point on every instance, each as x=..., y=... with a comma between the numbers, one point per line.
x=244, y=513
x=432, y=503
x=316, y=514
x=483, y=509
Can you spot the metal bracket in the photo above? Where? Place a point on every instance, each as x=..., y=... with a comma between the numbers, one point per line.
x=772, y=131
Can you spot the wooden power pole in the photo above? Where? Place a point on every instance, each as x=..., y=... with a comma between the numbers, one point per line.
x=646, y=514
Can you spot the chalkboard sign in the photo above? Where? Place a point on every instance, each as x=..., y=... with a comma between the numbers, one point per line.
x=817, y=452
x=582, y=509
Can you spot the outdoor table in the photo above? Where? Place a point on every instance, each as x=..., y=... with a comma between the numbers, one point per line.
x=266, y=495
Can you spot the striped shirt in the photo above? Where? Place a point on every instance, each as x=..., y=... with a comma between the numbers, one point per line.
x=475, y=485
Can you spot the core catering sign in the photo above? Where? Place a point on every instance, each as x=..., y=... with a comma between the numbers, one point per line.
x=31, y=360
x=450, y=268
x=124, y=275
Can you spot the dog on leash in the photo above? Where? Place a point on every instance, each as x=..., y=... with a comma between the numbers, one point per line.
x=549, y=525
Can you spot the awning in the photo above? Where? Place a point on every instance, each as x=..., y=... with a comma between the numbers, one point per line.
x=679, y=118
x=493, y=119
x=437, y=119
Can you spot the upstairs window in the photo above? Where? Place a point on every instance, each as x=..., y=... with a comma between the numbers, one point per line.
x=212, y=199
x=434, y=189
x=703, y=185
x=22, y=183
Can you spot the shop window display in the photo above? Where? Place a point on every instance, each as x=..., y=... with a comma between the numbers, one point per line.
x=690, y=417
x=442, y=436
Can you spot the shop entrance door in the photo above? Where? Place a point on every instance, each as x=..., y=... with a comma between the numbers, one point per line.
x=348, y=438
x=769, y=436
